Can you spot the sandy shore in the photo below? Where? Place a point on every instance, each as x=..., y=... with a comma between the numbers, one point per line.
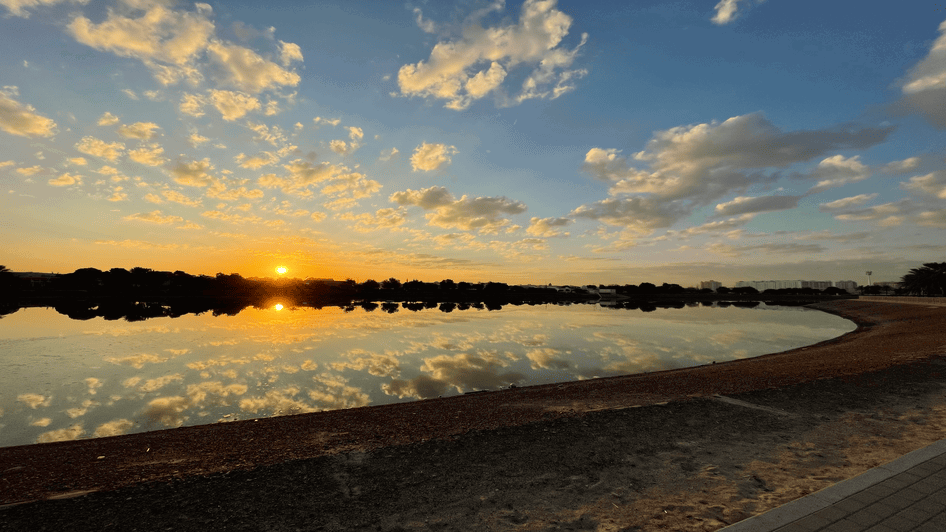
x=655, y=451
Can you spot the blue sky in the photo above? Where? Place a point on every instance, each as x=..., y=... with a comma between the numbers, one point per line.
x=561, y=142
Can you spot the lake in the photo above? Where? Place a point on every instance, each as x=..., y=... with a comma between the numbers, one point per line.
x=64, y=379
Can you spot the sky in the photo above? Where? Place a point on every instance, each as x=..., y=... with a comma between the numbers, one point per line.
x=523, y=142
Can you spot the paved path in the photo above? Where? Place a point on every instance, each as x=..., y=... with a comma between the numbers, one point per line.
x=908, y=494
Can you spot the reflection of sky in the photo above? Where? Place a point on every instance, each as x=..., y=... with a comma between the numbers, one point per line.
x=65, y=379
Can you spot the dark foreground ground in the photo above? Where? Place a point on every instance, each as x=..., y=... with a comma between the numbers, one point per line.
x=661, y=451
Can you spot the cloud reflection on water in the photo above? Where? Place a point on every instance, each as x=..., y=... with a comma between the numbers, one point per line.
x=264, y=363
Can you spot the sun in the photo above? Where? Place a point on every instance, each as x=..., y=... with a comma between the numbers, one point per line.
x=281, y=270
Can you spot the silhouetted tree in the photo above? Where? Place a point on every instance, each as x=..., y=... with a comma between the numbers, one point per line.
x=928, y=280
x=390, y=284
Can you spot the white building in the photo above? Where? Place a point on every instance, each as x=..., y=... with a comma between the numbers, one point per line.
x=712, y=285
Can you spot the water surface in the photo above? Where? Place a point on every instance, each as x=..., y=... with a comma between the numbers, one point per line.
x=65, y=379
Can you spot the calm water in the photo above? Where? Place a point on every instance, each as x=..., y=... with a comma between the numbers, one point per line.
x=63, y=379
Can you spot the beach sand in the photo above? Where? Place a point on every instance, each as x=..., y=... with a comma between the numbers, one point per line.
x=689, y=449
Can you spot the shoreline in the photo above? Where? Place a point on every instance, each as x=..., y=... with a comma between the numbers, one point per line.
x=888, y=339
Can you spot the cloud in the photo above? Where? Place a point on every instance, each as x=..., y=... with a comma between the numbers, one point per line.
x=932, y=218
x=640, y=215
x=177, y=197
x=747, y=205
x=836, y=171
x=476, y=64
x=18, y=8
x=165, y=40
x=902, y=167
x=547, y=358
x=108, y=119
x=67, y=434
x=154, y=217
x=194, y=173
x=728, y=11
x=483, y=214
x=547, y=227
x=113, y=428
x=192, y=104
x=289, y=52
x=66, y=180
x=139, y=130
x=99, y=148
x=924, y=89
x=147, y=155
x=429, y=157
x=845, y=203
x=332, y=122
x=464, y=372
x=381, y=219
x=341, y=147
x=260, y=160
x=21, y=119
x=790, y=248
x=933, y=183
x=247, y=71
x=34, y=400
x=233, y=105
x=387, y=155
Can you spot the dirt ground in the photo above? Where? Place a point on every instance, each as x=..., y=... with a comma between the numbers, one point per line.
x=693, y=449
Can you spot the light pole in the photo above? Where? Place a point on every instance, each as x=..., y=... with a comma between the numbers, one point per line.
x=868, y=277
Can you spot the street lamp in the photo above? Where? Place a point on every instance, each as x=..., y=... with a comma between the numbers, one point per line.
x=868, y=277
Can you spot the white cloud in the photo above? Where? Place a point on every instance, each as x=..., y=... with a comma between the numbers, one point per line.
x=194, y=173
x=177, y=197
x=845, y=203
x=387, y=155
x=138, y=130
x=21, y=119
x=749, y=205
x=258, y=161
x=933, y=218
x=728, y=11
x=836, y=171
x=148, y=155
x=154, y=217
x=429, y=157
x=475, y=65
x=547, y=227
x=165, y=40
x=289, y=52
x=247, y=71
x=483, y=214
x=902, y=167
x=108, y=119
x=29, y=170
x=933, y=183
x=66, y=180
x=99, y=148
x=18, y=8
x=196, y=139
x=330, y=121
x=924, y=89
x=788, y=248
x=192, y=104
x=639, y=215
x=233, y=105
x=341, y=147
x=381, y=219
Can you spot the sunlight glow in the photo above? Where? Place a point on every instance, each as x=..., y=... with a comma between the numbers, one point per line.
x=281, y=270
x=278, y=306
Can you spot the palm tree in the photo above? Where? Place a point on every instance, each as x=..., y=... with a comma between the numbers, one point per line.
x=930, y=280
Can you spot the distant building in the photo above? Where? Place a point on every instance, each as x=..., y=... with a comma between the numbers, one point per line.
x=36, y=280
x=849, y=286
x=817, y=285
x=712, y=285
x=762, y=286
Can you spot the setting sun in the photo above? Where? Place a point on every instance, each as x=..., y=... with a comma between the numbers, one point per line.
x=281, y=270
x=278, y=306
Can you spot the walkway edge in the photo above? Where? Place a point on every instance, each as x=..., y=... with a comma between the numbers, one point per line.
x=809, y=504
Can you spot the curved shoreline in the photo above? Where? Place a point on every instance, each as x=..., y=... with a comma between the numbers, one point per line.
x=887, y=335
